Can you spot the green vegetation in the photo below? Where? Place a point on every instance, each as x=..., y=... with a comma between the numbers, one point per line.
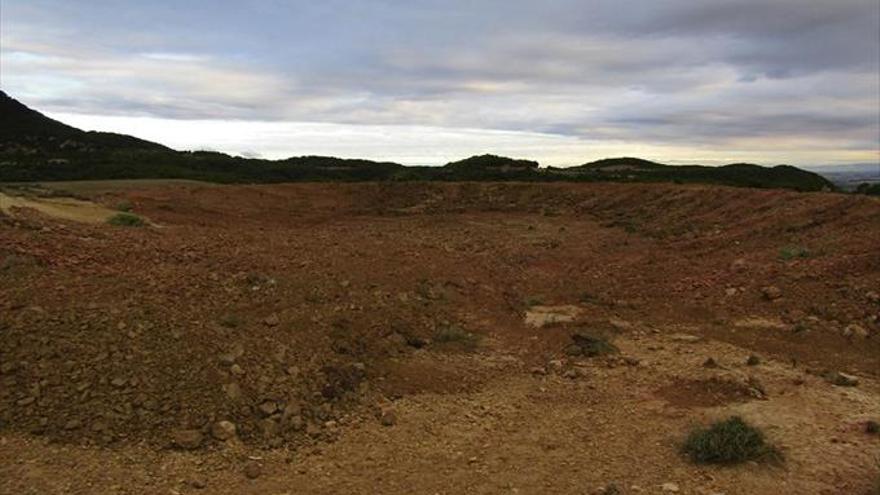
x=592, y=345
x=793, y=252
x=230, y=321
x=34, y=147
x=457, y=336
x=731, y=441
x=124, y=205
x=533, y=301
x=126, y=220
x=869, y=189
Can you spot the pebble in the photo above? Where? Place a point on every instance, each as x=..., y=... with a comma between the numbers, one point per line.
x=253, y=470
x=387, y=417
x=223, y=430
x=187, y=439
x=771, y=292
x=670, y=487
x=272, y=321
x=268, y=408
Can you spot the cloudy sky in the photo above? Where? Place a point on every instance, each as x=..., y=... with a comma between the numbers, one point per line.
x=426, y=81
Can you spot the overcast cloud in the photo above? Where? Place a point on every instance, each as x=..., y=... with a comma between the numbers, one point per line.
x=561, y=81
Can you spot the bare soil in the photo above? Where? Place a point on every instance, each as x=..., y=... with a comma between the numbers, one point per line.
x=373, y=338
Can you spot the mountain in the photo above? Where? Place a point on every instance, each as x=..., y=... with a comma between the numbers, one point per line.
x=34, y=147
x=629, y=169
x=29, y=131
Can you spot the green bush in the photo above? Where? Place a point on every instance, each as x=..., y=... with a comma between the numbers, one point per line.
x=792, y=252
x=126, y=220
x=731, y=441
x=591, y=345
x=453, y=334
x=124, y=205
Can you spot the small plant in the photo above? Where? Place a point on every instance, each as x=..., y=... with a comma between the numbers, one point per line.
x=587, y=297
x=591, y=345
x=731, y=441
x=793, y=252
x=230, y=321
x=533, y=301
x=872, y=427
x=124, y=205
x=126, y=220
x=453, y=334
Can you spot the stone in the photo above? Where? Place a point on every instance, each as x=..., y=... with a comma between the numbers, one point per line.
x=236, y=370
x=539, y=370
x=268, y=408
x=855, y=330
x=573, y=350
x=753, y=360
x=730, y=291
x=198, y=482
x=670, y=487
x=73, y=424
x=842, y=379
x=771, y=292
x=187, y=439
x=223, y=430
x=270, y=428
x=272, y=320
x=710, y=363
x=387, y=417
x=873, y=296
x=685, y=338
x=253, y=470
x=232, y=391
x=118, y=382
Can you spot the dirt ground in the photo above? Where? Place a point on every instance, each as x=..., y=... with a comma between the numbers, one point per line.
x=417, y=338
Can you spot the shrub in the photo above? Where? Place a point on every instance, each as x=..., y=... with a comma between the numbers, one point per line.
x=792, y=252
x=453, y=334
x=126, y=220
x=591, y=345
x=731, y=441
x=124, y=205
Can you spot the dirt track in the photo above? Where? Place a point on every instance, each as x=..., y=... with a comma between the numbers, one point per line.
x=298, y=312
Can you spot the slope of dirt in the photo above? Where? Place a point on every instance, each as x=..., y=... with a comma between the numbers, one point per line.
x=308, y=315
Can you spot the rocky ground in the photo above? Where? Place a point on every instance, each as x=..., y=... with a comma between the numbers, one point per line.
x=434, y=338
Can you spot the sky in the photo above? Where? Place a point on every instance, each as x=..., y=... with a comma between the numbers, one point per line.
x=563, y=82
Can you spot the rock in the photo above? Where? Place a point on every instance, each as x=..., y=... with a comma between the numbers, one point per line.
x=387, y=417
x=7, y=368
x=842, y=379
x=118, y=382
x=573, y=350
x=573, y=374
x=223, y=430
x=730, y=291
x=270, y=428
x=873, y=296
x=872, y=427
x=253, y=470
x=710, y=363
x=609, y=489
x=73, y=424
x=187, y=439
x=756, y=388
x=753, y=360
x=855, y=330
x=272, y=320
x=232, y=391
x=685, y=338
x=25, y=402
x=771, y=292
x=268, y=408
x=236, y=370
x=670, y=487
x=198, y=482
x=538, y=370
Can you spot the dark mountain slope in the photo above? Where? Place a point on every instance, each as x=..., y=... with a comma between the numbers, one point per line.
x=27, y=130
